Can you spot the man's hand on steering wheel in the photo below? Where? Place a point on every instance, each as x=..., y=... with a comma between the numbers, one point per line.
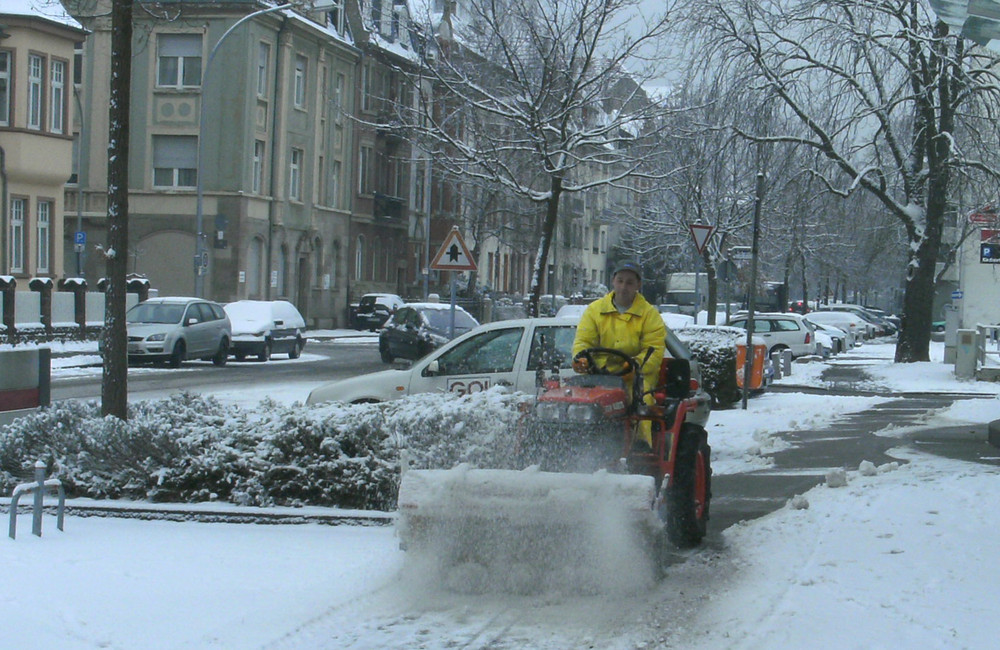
x=584, y=363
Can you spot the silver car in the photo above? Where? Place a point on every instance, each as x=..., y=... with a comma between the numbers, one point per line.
x=178, y=329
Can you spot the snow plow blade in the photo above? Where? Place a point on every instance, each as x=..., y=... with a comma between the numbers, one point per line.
x=542, y=522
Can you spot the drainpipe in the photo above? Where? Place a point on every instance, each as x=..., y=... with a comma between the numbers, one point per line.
x=3, y=212
x=275, y=140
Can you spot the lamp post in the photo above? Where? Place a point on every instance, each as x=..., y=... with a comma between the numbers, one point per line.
x=201, y=253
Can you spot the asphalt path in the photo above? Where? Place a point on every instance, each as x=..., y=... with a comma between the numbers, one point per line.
x=321, y=361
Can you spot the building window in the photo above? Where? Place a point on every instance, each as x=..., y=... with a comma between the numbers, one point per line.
x=263, y=58
x=255, y=266
x=338, y=94
x=295, y=175
x=300, y=82
x=364, y=170
x=178, y=60
x=258, y=165
x=16, y=251
x=44, y=212
x=335, y=16
x=57, y=96
x=359, y=258
x=175, y=160
x=335, y=184
x=35, y=77
x=4, y=88
x=366, y=87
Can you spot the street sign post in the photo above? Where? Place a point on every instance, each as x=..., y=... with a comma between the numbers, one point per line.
x=453, y=255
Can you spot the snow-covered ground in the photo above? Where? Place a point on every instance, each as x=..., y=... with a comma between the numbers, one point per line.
x=901, y=557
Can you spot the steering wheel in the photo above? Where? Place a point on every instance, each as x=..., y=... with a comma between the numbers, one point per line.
x=629, y=365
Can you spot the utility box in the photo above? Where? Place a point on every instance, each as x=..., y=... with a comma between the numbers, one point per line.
x=952, y=321
x=966, y=354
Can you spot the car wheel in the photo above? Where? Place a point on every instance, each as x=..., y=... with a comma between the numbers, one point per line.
x=241, y=356
x=222, y=356
x=778, y=348
x=177, y=356
x=296, y=349
x=265, y=352
x=383, y=351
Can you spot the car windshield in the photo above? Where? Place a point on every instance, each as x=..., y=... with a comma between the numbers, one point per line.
x=155, y=313
x=440, y=319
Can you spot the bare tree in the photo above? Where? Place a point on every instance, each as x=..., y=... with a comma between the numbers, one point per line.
x=888, y=96
x=542, y=98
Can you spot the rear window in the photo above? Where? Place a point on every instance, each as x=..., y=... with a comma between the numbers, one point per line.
x=155, y=313
x=440, y=319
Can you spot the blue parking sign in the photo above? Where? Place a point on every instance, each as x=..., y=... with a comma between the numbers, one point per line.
x=80, y=237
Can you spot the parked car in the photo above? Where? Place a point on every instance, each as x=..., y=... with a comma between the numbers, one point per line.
x=374, y=309
x=780, y=332
x=856, y=327
x=878, y=325
x=839, y=339
x=508, y=353
x=265, y=327
x=419, y=327
x=177, y=329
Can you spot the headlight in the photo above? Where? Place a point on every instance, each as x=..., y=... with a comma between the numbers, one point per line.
x=548, y=410
x=582, y=413
x=156, y=337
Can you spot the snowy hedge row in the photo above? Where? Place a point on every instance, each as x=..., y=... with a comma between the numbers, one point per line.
x=715, y=349
x=191, y=448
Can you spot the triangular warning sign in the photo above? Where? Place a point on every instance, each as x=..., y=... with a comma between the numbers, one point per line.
x=701, y=234
x=454, y=255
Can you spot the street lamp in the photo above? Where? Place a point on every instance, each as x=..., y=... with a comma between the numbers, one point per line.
x=200, y=252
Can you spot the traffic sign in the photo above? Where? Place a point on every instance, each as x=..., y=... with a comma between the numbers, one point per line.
x=985, y=215
x=957, y=294
x=701, y=234
x=453, y=255
x=741, y=253
x=80, y=238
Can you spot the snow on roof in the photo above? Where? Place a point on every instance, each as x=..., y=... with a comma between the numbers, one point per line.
x=49, y=9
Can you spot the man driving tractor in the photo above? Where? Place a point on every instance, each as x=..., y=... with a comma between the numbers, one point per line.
x=623, y=320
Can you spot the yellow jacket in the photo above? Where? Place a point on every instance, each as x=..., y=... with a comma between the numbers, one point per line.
x=633, y=332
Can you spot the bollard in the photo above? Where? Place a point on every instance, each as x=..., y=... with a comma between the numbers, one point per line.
x=776, y=364
x=786, y=362
x=38, y=490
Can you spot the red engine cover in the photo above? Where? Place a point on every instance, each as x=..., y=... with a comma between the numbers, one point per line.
x=611, y=400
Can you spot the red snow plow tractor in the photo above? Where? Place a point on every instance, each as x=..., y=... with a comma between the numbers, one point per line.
x=586, y=484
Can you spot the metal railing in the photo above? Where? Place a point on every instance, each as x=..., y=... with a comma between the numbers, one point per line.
x=37, y=489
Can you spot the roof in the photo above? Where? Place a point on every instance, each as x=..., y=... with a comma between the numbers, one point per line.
x=48, y=10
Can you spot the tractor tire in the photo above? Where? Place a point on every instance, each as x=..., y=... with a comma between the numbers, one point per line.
x=690, y=494
x=177, y=356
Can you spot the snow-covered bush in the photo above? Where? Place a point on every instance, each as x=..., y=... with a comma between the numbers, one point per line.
x=714, y=347
x=191, y=448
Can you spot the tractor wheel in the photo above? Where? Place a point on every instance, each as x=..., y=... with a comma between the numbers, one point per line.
x=177, y=356
x=689, y=495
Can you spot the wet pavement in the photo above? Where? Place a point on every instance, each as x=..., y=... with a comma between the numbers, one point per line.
x=844, y=444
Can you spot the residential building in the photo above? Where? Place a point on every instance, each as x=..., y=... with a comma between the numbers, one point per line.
x=36, y=142
x=273, y=161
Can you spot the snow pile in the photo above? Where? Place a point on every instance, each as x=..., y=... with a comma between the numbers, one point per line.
x=528, y=531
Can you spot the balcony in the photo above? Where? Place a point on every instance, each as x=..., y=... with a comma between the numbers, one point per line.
x=391, y=208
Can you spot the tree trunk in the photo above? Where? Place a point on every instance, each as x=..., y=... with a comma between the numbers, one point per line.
x=548, y=229
x=114, y=385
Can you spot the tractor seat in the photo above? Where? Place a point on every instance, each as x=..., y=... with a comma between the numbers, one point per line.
x=674, y=381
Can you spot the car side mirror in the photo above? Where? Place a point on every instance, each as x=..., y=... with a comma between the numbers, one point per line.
x=190, y=321
x=433, y=367
x=278, y=323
